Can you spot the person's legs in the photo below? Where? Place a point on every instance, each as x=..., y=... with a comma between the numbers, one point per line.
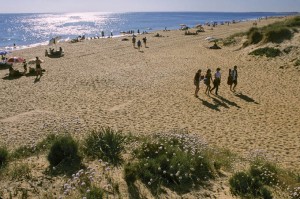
x=196, y=91
x=217, y=88
x=235, y=83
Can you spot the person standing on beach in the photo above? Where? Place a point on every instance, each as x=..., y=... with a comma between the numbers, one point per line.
x=145, y=41
x=207, y=80
x=102, y=33
x=139, y=44
x=229, y=79
x=234, y=75
x=217, y=81
x=133, y=41
x=197, y=80
x=38, y=68
x=25, y=66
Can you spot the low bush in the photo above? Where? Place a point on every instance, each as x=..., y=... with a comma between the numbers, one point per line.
x=254, y=36
x=277, y=35
x=293, y=22
x=268, y=52
x=3, y=156
x=106, y=144
x=176, y=161
x=266, y=172
x=245, y=185
x=64, y=155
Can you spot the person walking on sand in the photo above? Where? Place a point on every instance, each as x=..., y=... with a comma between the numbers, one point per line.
x=229, y=79
x=217, y=81
x=145, y=41
x=38, y=68
x=234, y=75
x=197, y=80
x=139, y=44
x=207, y=80
x=133, y=41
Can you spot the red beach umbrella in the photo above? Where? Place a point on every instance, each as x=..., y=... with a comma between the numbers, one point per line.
x=15, y=60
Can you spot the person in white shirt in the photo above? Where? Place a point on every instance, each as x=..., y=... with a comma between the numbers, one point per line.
x=217, y=81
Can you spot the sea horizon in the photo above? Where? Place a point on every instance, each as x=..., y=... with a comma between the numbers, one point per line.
x=26, y=30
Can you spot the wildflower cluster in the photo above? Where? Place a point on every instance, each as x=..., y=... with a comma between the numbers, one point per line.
x=295, y=193
x=93, y=182
x=177, y=160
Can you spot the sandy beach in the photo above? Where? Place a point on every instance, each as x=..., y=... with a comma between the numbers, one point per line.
x=106, y=82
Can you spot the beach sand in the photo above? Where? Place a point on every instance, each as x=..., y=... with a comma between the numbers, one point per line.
x=106, y=82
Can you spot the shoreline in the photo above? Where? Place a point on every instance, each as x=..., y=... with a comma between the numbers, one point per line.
x=45, y=43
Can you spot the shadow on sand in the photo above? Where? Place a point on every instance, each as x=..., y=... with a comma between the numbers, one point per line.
x=210, y=105
x=246, y=98
x=230, y=103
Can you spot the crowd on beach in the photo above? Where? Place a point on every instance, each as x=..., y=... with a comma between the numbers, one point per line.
x=37, y=70
x=207, y=79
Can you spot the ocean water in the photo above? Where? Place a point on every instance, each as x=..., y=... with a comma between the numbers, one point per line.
x=28, y=30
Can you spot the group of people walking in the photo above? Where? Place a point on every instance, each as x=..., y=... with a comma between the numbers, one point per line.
x=139, y=43
x=207, y=79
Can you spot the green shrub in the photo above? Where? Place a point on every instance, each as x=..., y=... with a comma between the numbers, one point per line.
x=173, y=161
x=245, y=185
x=95, y=193
x=266, y=172
x=277, y=35
x=130, y=173
x=64, y=153
x=3, y=156
x=106, y=144
x=254, y=36
x=268, y=52
x=293, y=22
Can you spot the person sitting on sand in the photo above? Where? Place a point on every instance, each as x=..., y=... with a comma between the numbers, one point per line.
x=13, y=72
x=197, y=80
x=139, y=44
x=207, y=80
x=234, y=76
x=217, y=81
x=38, y=68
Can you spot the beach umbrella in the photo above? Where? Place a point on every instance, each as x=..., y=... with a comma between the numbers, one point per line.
x=15, y=60
x=4, y=52
x=33, y=61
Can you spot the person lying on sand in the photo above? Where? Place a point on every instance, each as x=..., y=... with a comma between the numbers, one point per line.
x=13, y=72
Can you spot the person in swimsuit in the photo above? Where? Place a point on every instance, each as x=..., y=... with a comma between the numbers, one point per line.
x=207, y=80
x=38, y=68
x=197, y=80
